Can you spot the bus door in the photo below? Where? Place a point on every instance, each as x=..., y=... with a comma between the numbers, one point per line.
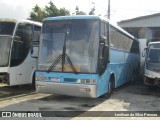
x=103, y=48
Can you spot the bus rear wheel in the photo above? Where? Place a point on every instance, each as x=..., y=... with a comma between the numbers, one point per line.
x=133, y=78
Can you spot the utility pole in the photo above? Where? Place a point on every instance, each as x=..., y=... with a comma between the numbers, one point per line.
x=108, y=9
x=108, y=12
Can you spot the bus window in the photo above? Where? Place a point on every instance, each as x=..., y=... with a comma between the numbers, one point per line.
x=21, y=44
x=36, y=32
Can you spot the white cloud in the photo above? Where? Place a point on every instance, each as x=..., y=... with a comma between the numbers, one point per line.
x=7, y=11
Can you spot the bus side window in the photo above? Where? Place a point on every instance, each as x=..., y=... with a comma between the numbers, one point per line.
x=35, y=41
x=21, y=44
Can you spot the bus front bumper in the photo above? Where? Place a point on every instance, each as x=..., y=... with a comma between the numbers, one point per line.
x=151, y=78
x=79, y=90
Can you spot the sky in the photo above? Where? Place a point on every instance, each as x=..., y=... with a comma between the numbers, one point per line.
x=120, y=9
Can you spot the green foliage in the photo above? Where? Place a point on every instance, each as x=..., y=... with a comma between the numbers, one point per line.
x=38, y=14
x=78, y=12
x=63, y=11
x=92, y=11
x=51, y=10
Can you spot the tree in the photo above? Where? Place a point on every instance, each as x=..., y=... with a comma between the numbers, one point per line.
x=63, y=11
x=78, y=12
x=37, y=14
x=92, y=11
x=51, y=10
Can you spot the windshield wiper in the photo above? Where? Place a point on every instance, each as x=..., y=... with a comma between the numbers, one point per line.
x=71, y=64
x=57, y=61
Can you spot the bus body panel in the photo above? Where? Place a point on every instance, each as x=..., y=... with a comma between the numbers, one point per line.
x=121, y=61
x=23, y=73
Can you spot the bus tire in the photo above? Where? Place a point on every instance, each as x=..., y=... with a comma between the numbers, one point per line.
x=133, y=78
x=33, y=80
x=110, y=89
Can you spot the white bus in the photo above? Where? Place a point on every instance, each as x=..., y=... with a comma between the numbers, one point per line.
x=152, y=65
x=19, y=41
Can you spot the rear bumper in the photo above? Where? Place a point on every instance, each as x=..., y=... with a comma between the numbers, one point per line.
x=78, y=90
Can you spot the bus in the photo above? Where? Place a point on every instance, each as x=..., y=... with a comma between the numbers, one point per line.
x=19, y=41
x=152, y=65
x=85, y=56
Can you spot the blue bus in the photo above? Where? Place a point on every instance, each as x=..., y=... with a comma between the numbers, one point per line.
x=85, y=56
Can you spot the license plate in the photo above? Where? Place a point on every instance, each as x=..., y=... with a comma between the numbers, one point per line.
x=55, y=79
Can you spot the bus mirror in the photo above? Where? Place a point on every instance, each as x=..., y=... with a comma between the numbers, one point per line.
x=105, y=51
x=103, y=38
x=143, y=54
x=34, y=51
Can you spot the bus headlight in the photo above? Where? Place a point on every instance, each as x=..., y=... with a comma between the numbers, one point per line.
x=41, y=78
x=87, y=81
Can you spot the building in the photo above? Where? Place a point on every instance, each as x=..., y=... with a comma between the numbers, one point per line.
x=144, y=27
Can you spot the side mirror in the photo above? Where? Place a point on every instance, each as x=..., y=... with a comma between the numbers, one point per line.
x=103, y=38
x=146, y=49
x=143, y=54
x=34, y=52
x=105, y=51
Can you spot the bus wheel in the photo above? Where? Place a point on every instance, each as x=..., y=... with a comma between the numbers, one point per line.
x=110, y=89
x=133, y=78
x=33, y=80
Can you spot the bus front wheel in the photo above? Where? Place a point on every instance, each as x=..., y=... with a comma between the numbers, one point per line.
x=110, y=89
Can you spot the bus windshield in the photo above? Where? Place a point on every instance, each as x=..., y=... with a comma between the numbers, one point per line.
x=154, y=56
x=6, y=28
x=5, y=44
x=78, y=39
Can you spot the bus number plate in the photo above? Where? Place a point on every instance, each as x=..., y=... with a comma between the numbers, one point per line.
x=55, y=79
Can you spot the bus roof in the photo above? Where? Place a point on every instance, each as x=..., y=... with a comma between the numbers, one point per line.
x=21, y=20
x=151, y=43
x=73, y=17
